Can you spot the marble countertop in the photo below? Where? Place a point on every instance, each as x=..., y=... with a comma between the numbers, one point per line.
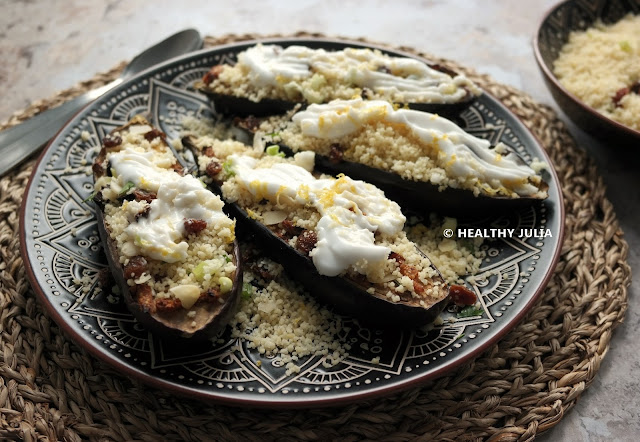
x=47, y=47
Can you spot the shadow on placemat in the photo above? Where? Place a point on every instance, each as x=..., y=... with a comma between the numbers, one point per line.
x=518, y=388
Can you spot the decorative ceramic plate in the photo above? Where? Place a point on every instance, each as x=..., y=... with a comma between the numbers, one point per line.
x=63, y=255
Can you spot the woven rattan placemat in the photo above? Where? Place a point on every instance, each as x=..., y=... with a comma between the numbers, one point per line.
x=50, y=389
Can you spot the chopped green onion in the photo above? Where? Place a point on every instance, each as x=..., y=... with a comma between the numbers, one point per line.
x=274, y=150
x=198, y=271
x=228, y=170
x=625, y=46
x=246, y=290
x=127, y=187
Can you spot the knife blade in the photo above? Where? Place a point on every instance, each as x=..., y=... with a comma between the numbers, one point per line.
x=20, y=141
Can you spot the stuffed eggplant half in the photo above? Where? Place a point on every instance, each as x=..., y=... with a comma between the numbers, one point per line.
x=171, y=249
x=270, y=79
x=418, y=158
x=342, y=238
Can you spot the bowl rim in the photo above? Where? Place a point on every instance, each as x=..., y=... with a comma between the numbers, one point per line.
x=550, y=76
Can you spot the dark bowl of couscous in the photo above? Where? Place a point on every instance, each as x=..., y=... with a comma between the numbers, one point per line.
x=589, y=55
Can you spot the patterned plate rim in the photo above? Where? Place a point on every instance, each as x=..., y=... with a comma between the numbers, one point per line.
x=298, y=401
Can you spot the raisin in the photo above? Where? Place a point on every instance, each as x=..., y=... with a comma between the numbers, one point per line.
x=209, y=152
x=306, y=241
x=143, y=213
x=461, y=295
x=141, y=195
x=213, y=74
x=136, y=267
x=409, y=271
x=111, y=141
x=213, y=168
x=620, y=94
x=397, y=257
x=287, y=230
x=290, y=228
x=418, y=287
x=194, y=226
x=153, y=134
x=336, y=153
x=249, y=123
x=97, y=169
x=177, y=167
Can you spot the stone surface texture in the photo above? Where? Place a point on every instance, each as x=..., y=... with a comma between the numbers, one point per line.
x=47, y=46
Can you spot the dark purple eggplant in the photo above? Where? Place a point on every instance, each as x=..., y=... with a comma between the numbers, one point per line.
x=233, y=105
x=418, y=195
x=211, y=315
x=230, y=105
x=422, y=195
x=210, y=318
x=346, y=295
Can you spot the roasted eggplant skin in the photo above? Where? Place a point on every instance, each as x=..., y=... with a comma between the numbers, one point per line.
x=229, y=105
x=211, y=317
x=424, y=196
x=344, y=295
x=232, y=106
x=419, y=195
x=235, y=106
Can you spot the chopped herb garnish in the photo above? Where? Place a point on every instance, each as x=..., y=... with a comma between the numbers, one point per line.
x=274, y=150
x=246, y=290
x=470, y=311
x=625, y=46
x=127, y=187
x=460, y=336
x=90, y=197
x=227, y=258
x=228, y=170
x=273, y=134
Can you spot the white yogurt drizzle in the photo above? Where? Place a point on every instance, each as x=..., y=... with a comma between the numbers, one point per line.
x=160, y=234
x=459, y=153
x=405, y=79
x=351, y=211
